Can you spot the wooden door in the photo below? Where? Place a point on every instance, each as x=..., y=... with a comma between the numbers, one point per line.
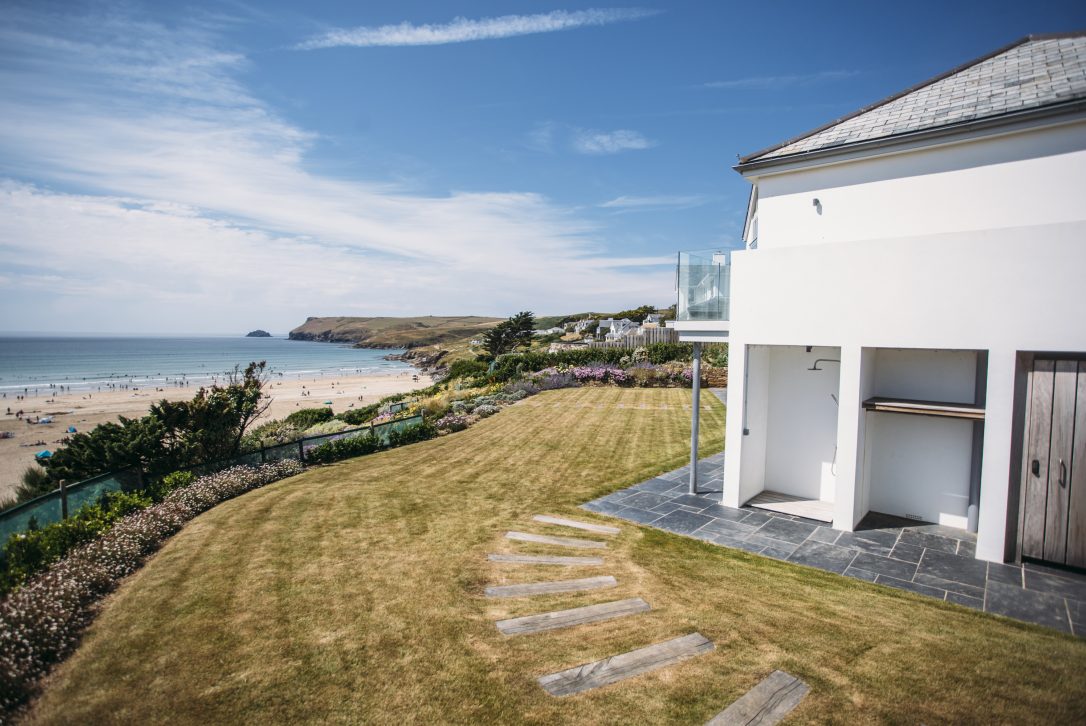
x=1054, y=499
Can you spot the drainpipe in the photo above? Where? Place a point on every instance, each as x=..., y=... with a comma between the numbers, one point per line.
x=980, y=391
x=696, y=377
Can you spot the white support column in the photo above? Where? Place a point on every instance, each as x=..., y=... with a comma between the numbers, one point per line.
x=995, y=471
x=695, y=418
x=849, y=502
x=733, y=426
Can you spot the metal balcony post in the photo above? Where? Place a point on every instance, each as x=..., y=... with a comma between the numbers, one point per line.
x=695, y=415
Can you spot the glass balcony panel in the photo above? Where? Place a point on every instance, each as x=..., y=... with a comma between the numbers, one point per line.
x=704, y=285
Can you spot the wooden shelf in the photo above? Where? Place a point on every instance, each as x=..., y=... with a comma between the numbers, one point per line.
x=942, y=409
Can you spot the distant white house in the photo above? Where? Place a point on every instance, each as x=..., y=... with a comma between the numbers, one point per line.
x=617, y=329
x=907, y=321
x=581, y=325
x=655, y=320
x=550, y=331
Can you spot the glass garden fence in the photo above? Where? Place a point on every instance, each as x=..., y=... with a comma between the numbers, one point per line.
x=57, y=504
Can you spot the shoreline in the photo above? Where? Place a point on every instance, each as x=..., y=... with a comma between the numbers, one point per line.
x=86, y=409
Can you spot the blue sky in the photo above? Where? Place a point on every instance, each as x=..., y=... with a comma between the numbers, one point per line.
x=214, y=167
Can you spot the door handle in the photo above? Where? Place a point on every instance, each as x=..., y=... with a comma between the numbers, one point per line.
x=1063, y=474
x=1035, y=468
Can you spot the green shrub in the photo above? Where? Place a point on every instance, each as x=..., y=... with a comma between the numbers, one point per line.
x=26, y=554
x=359, y=416
x=308, y=417
x=159, y=489
x=466, y=369
x=367, y=443
x=328, y=427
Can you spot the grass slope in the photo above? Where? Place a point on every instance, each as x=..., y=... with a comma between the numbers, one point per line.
x=395, y=332
x=352, y=593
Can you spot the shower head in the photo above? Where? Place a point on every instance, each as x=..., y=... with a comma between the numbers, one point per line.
x=822, y=360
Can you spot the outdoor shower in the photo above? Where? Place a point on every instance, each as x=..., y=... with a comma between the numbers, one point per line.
x=822, y=360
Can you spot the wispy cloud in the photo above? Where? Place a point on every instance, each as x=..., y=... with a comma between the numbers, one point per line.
x=773, y=82
x=587, y=141
x=463, y=30
x=652, y=203
x=159, y=193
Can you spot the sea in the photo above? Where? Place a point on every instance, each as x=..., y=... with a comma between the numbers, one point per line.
x=98, y=363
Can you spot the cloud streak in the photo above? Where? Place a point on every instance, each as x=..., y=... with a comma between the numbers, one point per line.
x=464, y=30
x=761, y=83
x=610, y=142
x=654, y=203
x=148, y=189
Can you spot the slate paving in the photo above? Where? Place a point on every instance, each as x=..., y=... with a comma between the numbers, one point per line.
x=928, y=559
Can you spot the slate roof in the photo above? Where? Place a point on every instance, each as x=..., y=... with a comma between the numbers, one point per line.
x=1033, y=73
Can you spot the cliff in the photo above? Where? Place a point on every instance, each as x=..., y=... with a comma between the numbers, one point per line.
x=394, y=332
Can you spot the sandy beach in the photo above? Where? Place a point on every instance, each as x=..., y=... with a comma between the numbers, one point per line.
x=85, y=410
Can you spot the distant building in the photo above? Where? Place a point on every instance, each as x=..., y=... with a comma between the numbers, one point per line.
x=655, y=320
x=581, y=325
x=550, y=331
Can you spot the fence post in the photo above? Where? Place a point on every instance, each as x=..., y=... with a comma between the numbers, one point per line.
x=301, y=451
x=63, y=499
x=263, y=458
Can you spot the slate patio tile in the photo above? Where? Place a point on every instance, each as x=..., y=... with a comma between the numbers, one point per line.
x=603, y=506
x=691, y=500
x=824, y=535
x=779, y=552
x=942, y=530
x=967, y=549
x=928, y=541
x=860, y=574
x=665, y=508
x=721, y=512
x=911, y=586
x=686, y=508
x=1077, y=611
x=950, y=586
x=952, y=567
x=682, y=522
x=908, y=553
x=1034, y=607
x=884, y=566
x=593, y=506
x=640, y=516
x=823, y=556
x=646, y=500
x=1055, y=584
x=755, y=518
x=787, y=530
x=658, y=486
x=726, y=526
x=1006, y=574
x=728, y=539
x=764, y=541
x=751, y=547
x=863, y=544
x=969, y=602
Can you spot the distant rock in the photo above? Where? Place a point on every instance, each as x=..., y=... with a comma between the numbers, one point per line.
x=258, y=334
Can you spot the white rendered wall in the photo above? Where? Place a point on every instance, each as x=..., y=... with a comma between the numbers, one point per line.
x=919, y=466
x=1027, y=178
x=1002, y=291
x=802, y=423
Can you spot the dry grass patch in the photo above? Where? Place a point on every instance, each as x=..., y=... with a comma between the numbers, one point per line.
x=353, y=593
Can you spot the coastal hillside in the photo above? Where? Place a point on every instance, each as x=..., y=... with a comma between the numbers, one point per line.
x=394, y=332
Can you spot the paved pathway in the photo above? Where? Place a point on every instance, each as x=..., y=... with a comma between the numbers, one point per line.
x=927, y=559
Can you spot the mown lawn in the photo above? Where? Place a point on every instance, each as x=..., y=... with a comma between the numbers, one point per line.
x=353, y=593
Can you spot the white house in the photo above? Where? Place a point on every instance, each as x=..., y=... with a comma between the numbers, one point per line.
x=907, y=321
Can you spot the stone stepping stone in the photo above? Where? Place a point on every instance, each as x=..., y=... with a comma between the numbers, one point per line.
x=545, y=560
x=586, y=544
x=569, y=618
x=576, y=524
x=618, y=667
x=765, y=704
x=545, y=588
